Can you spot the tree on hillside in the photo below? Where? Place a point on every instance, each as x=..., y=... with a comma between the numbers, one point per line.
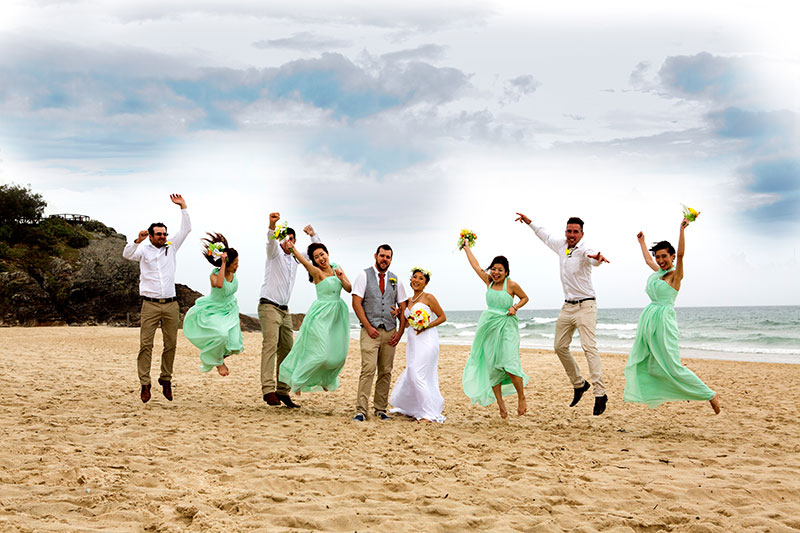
x=20, y=204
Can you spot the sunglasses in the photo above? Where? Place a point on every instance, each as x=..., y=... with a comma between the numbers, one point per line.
x=160, y=233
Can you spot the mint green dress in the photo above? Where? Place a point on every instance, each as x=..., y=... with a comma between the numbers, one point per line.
x=654, y=373
x=212, y=324
x=320, y=349
x=495, y=350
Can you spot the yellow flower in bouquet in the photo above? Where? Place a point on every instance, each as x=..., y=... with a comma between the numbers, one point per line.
x=280, y=231
x=466, y=238
x=689, y=213
x=419, y=319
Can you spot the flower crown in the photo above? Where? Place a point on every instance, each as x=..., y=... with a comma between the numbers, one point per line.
x=425, y=272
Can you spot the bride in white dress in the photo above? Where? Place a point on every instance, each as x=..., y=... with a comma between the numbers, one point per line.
x=416, y=392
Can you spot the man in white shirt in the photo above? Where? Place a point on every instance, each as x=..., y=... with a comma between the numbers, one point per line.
x=377, y=300
x=280, y=270
x=156, y=257
x=580, y=307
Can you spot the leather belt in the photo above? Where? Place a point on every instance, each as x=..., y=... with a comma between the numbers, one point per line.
x=160, y=300
x=579, y=301
x=270, y=302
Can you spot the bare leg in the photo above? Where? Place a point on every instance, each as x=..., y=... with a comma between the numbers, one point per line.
x=522, y=406
x=715, y=403
x=500, y=403
x=223, y=370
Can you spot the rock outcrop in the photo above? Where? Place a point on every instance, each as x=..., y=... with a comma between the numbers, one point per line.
x=94, y=286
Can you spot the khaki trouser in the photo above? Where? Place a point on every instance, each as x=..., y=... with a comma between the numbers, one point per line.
x=167, y=316
x=277, y=340
x=583, y=317
x=376, y=355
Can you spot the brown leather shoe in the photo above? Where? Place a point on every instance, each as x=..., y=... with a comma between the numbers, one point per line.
x=145, y=393
x=166, y=388
x=271, y=398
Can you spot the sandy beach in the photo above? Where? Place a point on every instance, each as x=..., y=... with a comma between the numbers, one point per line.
x=82, y=453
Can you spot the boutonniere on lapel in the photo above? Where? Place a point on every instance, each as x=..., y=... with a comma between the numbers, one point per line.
x=568, y=251
x=393, y=282
x=167, y=247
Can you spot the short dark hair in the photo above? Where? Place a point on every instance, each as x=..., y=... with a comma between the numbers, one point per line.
x=384, y=247
x=156, y=225
x=313, y=247
x=290, y=231
x=218, y=238
x=575, y=220
x=662, y=245
x=502, y=261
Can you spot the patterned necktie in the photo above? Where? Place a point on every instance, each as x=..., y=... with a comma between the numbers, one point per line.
x=382, y=283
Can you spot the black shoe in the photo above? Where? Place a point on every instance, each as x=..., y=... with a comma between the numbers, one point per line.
x=599, y=404
x=577, y=394
x=145, y=393
x=271, y=398
x=382, y=415
x=287, y=401
x=360, y=417
x=166, y=388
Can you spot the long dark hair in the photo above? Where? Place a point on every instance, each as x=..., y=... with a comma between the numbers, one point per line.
x=313, y=247
x=218, y=238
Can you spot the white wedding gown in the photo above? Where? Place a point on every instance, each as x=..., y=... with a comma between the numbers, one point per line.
x=416, y=392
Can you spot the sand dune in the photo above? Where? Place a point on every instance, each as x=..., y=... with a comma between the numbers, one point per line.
x=82, y=453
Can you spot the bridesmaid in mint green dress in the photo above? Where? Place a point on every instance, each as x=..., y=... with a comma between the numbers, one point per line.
x=320, y=350
x=494, y=368
x=654, y=373
x=212, y=324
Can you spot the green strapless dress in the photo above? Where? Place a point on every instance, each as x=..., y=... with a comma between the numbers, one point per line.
x=212, y=324
x=320, y=350
x=654, y=373
x=495, y=351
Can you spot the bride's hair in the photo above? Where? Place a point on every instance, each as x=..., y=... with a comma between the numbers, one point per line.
x=214, y=238
x=427, y=276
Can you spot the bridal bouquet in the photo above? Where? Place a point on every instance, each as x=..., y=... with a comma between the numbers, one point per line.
x=280, y=231
x=466, y=238
x=419, y=319
x=215, y=249
x=689, y=213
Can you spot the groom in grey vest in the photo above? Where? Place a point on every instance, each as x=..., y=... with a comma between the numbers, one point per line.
x=377, y=299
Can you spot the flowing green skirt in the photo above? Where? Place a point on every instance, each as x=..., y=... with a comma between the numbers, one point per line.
x=654, y=373
x=493, y=356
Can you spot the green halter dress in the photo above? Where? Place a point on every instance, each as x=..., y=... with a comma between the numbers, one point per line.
x=212, y=324
x=320, y=350
x=654, y=373
x=495, y=350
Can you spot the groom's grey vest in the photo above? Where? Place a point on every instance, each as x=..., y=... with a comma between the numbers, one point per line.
x=377, y=306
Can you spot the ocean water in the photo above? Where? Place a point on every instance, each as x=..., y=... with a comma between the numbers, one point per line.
x=766, y=334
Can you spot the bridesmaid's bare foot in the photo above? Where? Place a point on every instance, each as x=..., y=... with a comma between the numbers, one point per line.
x=522, y=406
x=503, y=411
x=223, y=370
x=715, y=403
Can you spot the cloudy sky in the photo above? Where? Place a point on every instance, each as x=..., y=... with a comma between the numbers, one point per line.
x=404, y=122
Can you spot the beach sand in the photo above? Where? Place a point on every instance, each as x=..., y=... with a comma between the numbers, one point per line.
x=80, y=452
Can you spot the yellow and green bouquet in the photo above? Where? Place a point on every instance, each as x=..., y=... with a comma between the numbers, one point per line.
x=689, y=213
x=466, y=238
x=280, y=232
